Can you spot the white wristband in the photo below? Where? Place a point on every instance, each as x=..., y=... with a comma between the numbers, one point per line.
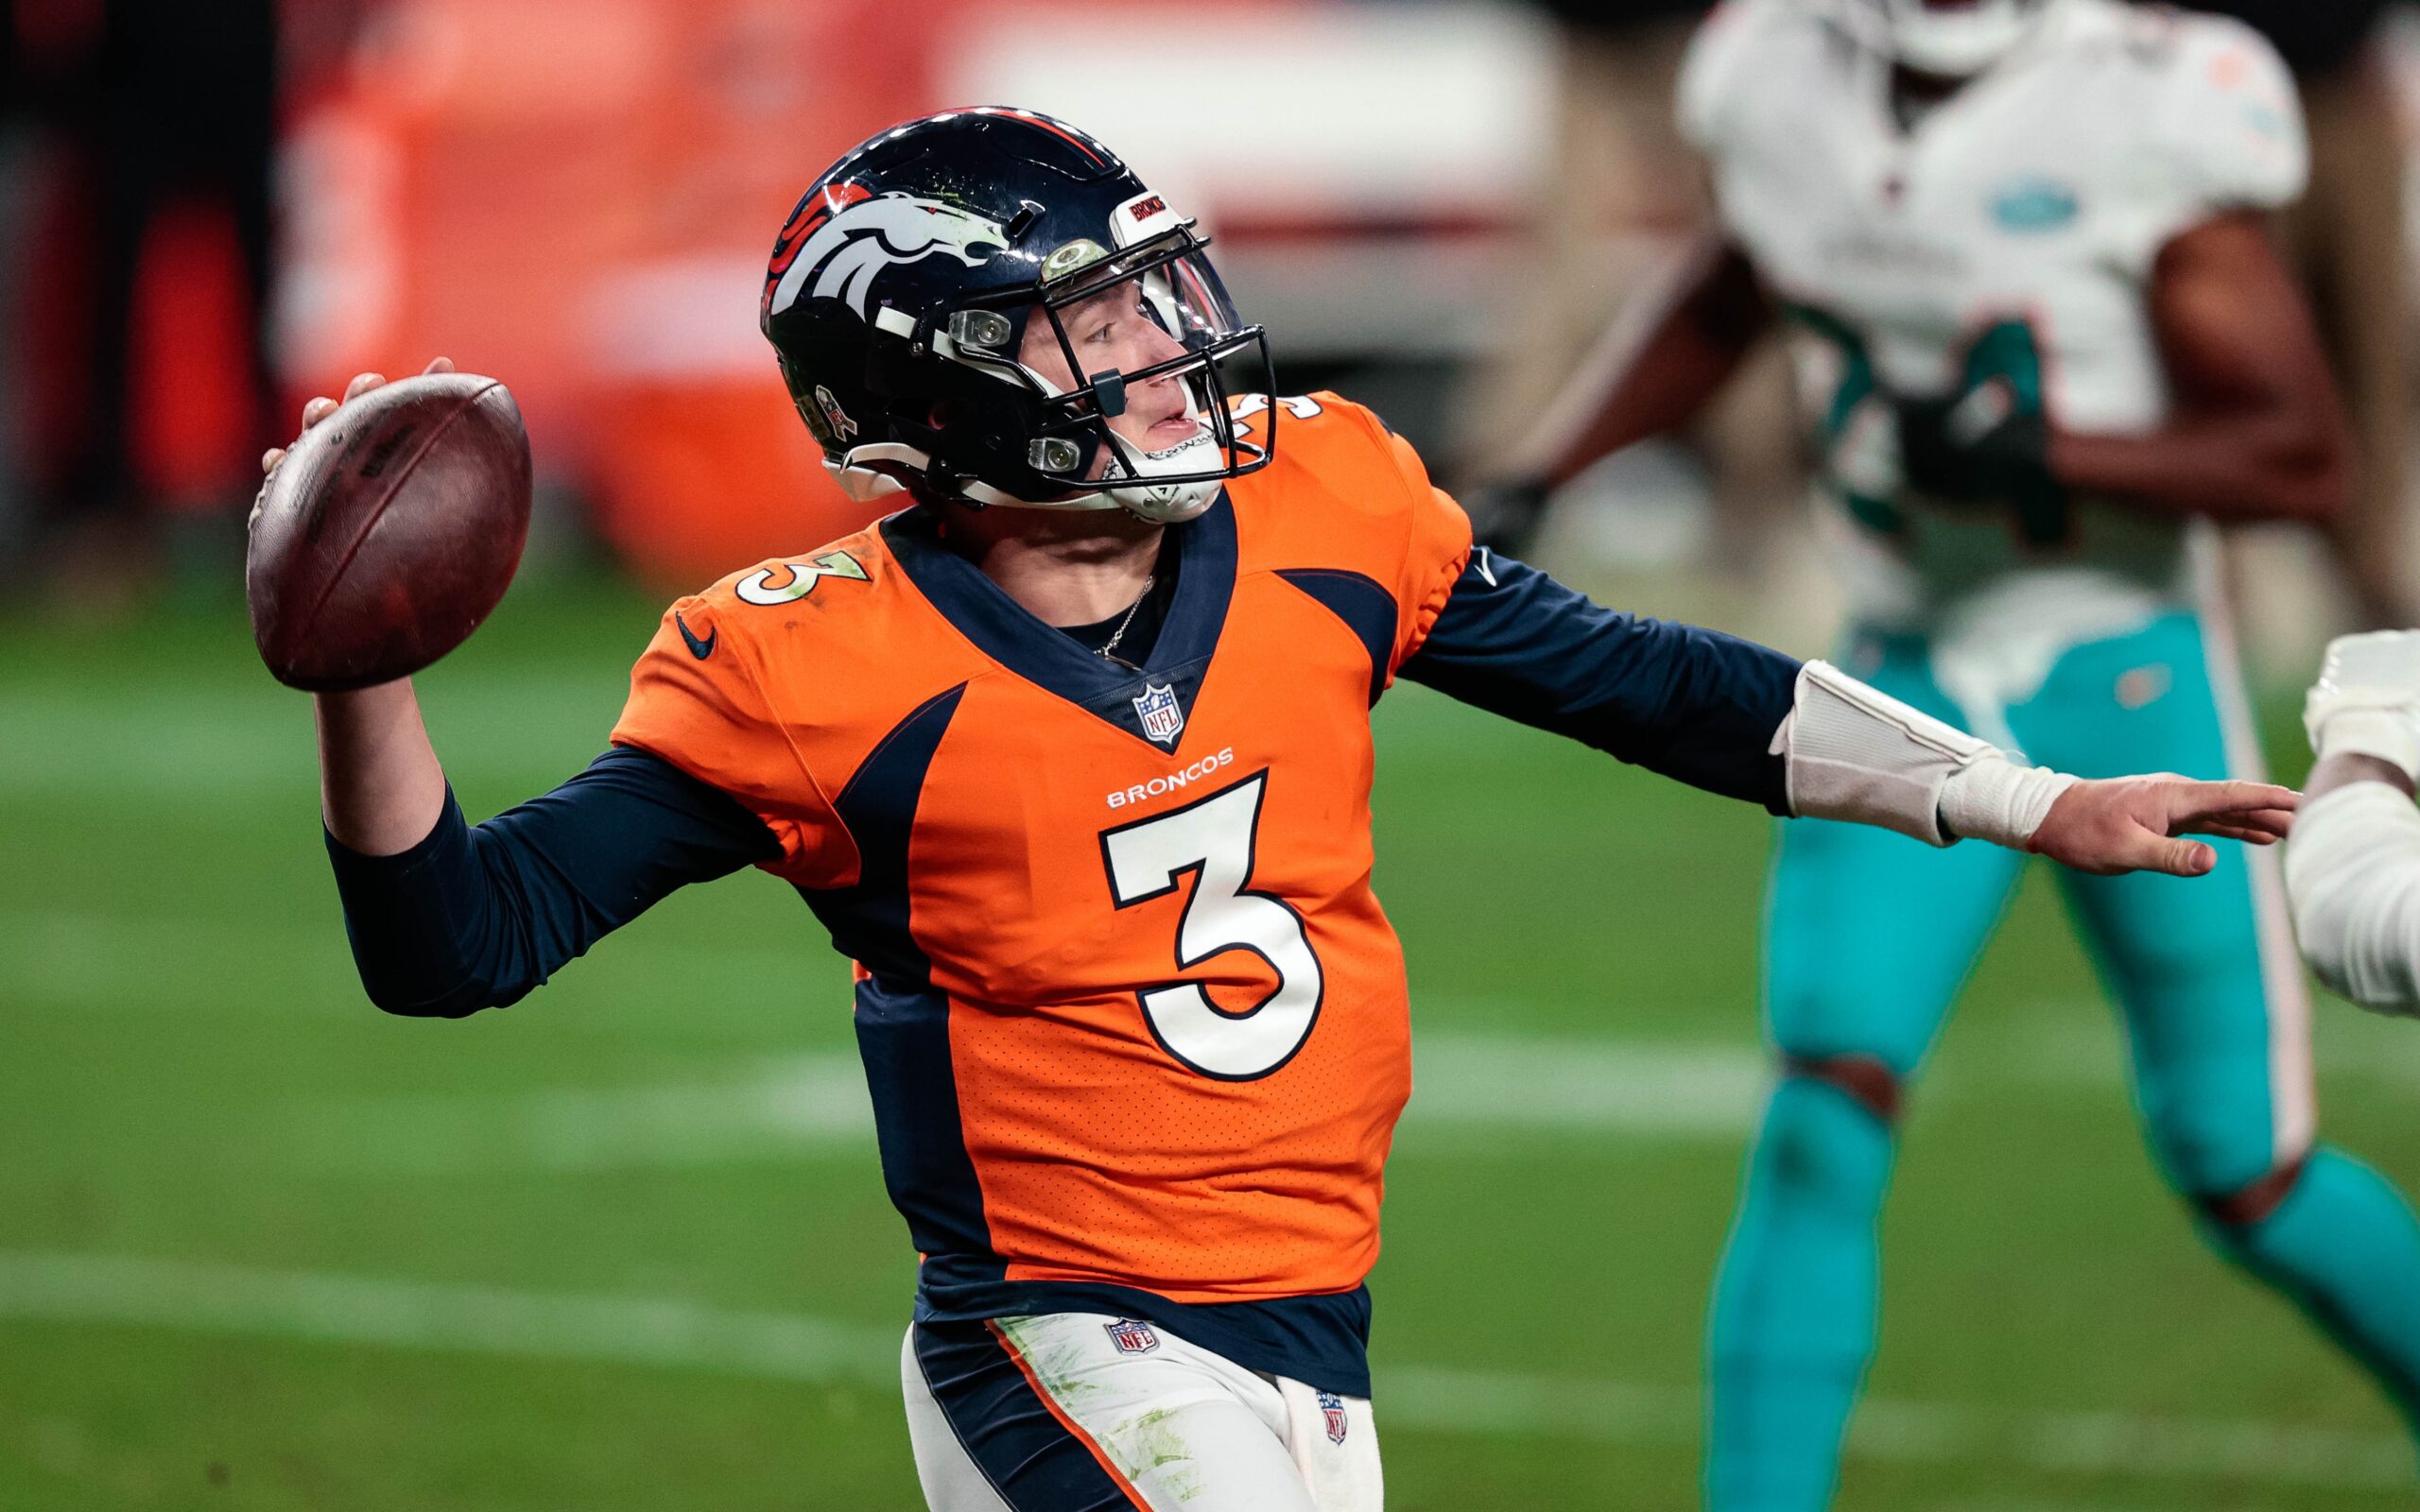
x=1993, y=798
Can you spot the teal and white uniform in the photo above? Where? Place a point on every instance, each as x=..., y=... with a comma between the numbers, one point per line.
x=2007, y=238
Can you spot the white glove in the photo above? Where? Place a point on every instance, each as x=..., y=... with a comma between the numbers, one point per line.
x=2367, y=699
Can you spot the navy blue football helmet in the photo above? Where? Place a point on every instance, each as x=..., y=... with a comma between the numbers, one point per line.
x=900, y=296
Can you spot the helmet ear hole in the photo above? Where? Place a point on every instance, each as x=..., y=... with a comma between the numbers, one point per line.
x=987, y=329
x=1054, y=454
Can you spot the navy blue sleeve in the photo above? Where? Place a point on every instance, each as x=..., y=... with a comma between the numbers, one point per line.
x=470, y=918
x=1693, y=704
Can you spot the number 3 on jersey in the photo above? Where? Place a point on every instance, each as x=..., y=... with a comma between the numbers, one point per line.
x=1244, y=407
x=1214, y=837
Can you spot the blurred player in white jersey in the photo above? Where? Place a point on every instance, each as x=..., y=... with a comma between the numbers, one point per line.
x=2353, y=864
x=2020, y=245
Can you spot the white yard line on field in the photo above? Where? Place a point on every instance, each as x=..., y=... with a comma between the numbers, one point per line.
x=325, y=1307
x=2057, y=1044
x=793, y=1107
x=1673, y=1091
x=1473, y=1094
x=664, y=1332
x=1916, y=1433
x=115, y=959
x=1474, y=1091
x=1470, y=1089
x=211, y=744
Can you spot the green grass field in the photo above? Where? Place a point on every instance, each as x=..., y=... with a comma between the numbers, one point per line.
x=625, y=1246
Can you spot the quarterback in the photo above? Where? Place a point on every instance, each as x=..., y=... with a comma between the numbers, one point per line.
x=1071, y=756
x=2018, y=246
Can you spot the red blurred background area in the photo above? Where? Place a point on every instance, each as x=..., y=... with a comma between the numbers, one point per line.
x=577, y=196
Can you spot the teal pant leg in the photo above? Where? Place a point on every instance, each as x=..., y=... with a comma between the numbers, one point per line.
x=2224, y=1092
x=1868, y=937
x=2212, y=995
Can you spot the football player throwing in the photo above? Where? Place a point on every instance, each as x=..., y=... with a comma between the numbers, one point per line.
x=1071, y=756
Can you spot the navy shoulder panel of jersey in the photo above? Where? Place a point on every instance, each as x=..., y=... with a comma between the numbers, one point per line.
x=1693, y=704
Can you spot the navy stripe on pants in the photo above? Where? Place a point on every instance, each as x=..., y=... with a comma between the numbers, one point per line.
x=1012, y=1435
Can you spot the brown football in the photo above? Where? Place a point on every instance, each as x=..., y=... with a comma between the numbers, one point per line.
x=388, y=532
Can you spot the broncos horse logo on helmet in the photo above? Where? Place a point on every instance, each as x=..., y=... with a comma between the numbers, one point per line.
x=812, y=211
x=840, y=251
x=902, y=290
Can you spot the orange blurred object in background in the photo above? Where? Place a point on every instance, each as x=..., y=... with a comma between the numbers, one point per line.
x=578, y=196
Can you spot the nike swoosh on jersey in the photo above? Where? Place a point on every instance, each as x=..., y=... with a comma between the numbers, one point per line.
x=700, y=649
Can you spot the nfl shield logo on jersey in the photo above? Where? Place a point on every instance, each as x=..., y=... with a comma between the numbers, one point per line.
x=1332, y=1408
x=1158, y=710
x=1131, y=1336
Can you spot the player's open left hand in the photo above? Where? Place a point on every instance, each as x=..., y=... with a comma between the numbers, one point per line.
x=2138, y=823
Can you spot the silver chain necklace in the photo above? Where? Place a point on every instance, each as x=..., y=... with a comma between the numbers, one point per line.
x=1118, y=634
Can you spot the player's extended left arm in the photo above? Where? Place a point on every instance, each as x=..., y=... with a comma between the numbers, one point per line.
x=473, y=917
x=2353, y=866
x=2255, y=430
x=1803, y=739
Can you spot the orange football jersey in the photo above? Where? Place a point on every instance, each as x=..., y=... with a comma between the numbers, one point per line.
x=1135, y=1025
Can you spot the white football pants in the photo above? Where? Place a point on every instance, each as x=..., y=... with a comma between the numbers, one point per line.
x=1082, y=1412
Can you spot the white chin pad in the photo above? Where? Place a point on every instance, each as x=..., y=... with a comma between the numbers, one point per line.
x=1131, y=484
x=1853, y=752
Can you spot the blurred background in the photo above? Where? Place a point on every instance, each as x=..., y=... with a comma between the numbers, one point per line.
x=625, y=1245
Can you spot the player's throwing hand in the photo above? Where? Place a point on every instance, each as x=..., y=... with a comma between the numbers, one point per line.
x=2136, y=823
x=323, y=406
